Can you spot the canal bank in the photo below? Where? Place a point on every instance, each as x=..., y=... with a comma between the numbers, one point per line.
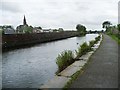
x=33, y=66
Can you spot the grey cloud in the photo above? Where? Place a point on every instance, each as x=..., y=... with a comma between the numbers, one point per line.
x=61, y=13
x=119, y=12
x=10, y=7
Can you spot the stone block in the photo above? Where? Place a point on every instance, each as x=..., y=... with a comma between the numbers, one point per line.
x=86, y=56
x=79, y=63
x=94, y=48
x=56, y=82
x=91, y=52
x=70, y=70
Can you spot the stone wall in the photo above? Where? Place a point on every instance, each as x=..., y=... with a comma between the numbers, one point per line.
x=19, y=40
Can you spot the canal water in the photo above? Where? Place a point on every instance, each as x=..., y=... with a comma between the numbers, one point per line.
x=33, y=66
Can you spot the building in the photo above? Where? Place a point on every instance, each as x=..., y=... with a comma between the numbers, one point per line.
x=24, y=21
x=8, y=30
x=22, y=28
x=46, y=30
x=37, y=30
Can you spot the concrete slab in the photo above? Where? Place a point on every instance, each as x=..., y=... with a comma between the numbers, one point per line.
x=91, y=52
x=56, y=82
x=96, y=45
x=85, y=57
x=94, y=48
x=101, y=38
x=79, y=63
x=69, y=71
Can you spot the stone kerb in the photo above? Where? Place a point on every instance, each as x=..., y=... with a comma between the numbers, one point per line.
x=86, y=56
x=98, y=44
x=56, y=82
x=69, y=71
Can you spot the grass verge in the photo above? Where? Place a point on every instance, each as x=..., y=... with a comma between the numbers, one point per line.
x=115, y=38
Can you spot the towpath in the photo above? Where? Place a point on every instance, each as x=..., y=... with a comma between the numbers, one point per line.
x=102, y=71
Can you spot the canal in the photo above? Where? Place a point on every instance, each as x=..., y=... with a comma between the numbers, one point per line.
x=33, y=66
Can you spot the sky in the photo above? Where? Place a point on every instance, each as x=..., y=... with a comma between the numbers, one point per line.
x=64, y=14
x=119, y=12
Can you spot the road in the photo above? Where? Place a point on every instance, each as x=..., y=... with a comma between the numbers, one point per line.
x=102, y=71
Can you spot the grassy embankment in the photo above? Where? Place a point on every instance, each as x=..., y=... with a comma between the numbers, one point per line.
x=116, y=38
x=67, y=57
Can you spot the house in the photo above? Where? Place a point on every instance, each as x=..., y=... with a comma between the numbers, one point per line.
x=37, y=30
x=8, y=30
x=46, y=30
x=20, y=29
x=55, y=30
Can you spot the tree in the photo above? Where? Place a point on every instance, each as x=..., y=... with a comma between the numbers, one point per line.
x=118, y=26
x=39, y=27
x=60, y=29
x=102, y=31
x=24, y=29
x=106, y=24
x=81, y=29
x=28, y=29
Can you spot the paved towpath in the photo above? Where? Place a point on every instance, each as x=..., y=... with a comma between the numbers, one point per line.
x=102, y=71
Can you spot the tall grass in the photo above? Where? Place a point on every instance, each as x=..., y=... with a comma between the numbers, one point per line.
x=64, y=59
x=91, y=43
x=82, y=49
x=97, y=39
x=85, y=48
x=67, y=57
x=78, y=52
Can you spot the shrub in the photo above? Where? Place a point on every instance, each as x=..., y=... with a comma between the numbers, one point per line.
x=97, y=39
x=91, y=43
x=85, y=48
x=67, y=57
x=64, y=59
x=82, y=49
x=78, y=52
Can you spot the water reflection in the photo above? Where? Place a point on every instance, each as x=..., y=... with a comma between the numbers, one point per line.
x=33, y=66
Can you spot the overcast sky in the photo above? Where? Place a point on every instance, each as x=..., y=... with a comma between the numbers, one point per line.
x=59, y=13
